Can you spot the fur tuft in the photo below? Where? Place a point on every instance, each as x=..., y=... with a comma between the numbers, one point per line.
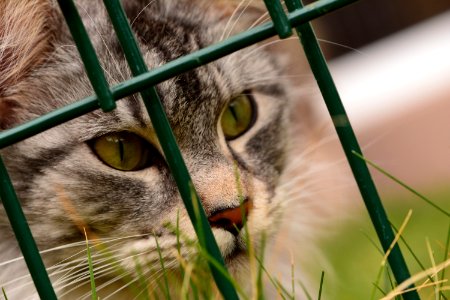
x=25, y=37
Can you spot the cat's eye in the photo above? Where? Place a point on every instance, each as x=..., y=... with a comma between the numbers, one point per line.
x=123, y=151
x=238, y=116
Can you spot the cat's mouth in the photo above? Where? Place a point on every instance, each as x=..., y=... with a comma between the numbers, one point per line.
x=231, y=245
x=236, y=252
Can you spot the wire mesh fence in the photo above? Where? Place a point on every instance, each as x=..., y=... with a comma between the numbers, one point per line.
x=144, y=81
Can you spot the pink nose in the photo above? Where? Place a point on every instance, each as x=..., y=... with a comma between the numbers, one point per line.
x=231, y=219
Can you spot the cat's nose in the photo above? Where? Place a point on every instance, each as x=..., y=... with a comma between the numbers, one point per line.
x=231, y=219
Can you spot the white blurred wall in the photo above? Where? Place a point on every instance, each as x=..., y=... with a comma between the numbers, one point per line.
x=397, y=94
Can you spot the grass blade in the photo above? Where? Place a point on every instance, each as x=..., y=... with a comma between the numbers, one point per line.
x=91, y=269
x=421, y=265
x=384, y=172
x=445, y=258
x=161, y=260
x=280, y=288
x=292, y=276
x=141, y=279
x=305, y=290
x=321, y=285
x=376, y=284
x=403, y=287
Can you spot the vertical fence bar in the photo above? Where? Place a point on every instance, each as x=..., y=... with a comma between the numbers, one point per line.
x=349, y=143
x=87, y=53
x=279, y=18
x=172, y=153
x=23, y=235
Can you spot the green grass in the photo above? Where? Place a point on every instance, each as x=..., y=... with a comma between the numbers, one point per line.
x=356, y=256
x=91, y=269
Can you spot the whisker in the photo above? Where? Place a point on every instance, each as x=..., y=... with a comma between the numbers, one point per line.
x=230, y=18
x=311, y=186
x=265, y=45
x=116, y=63
x=98, y=259
x=263, y=80
x=142, y=10
x=82, y=252
x=156, y=274
x=341, y=45
x=84, y=278
x=263, y=18
x=76, y=266
x=82, y=263
x=100, y=267
x=237, y=19
x=308, y=178
x=121, y=276
x=14, y=281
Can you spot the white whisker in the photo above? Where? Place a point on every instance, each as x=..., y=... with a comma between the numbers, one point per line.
x=157, y=274
x=116, y=63
x=263, y=18
x=98, y=259
x=264, y=80
x=259, y=47
x=230, y=18
x=15, y=280
x=341, y=45
x=142, y=10
x=148, y=270
x=237, y=19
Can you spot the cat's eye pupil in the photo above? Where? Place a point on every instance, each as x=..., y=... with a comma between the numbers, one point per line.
x=233, y=111
x=121, y=150
x=124, y=151
x=238, y=117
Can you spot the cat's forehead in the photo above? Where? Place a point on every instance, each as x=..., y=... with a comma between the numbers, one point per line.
x=193, y=100
x=167, y=32
x=164, y=36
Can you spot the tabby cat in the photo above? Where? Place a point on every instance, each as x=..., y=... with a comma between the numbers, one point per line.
x=105, y=172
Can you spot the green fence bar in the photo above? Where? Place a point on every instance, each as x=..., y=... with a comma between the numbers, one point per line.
x=87, y=53
x=23, y=235
x=171, y=69
x=171, y=151
x=349, y=144
x=279, y=18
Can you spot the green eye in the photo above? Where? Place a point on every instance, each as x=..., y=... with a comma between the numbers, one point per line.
x=123, y=151
x=238, y=117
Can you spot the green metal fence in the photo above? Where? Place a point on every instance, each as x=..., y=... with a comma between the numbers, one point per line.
x=144, y=81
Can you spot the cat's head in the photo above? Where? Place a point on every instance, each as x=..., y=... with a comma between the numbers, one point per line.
x=105, y=172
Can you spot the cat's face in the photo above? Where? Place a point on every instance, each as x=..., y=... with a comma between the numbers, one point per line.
x=105, y=172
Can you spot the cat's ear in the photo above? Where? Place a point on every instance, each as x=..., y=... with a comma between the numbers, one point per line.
x=25, y=35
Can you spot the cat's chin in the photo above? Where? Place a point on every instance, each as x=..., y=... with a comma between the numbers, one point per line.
x=227, y=242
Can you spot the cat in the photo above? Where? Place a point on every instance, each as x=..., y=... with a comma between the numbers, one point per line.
x=105, y=172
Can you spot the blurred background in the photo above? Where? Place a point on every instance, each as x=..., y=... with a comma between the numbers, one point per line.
x=390, y=60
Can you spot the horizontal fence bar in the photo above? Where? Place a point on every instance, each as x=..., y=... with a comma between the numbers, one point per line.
x=171, y=69
x=349, y=143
